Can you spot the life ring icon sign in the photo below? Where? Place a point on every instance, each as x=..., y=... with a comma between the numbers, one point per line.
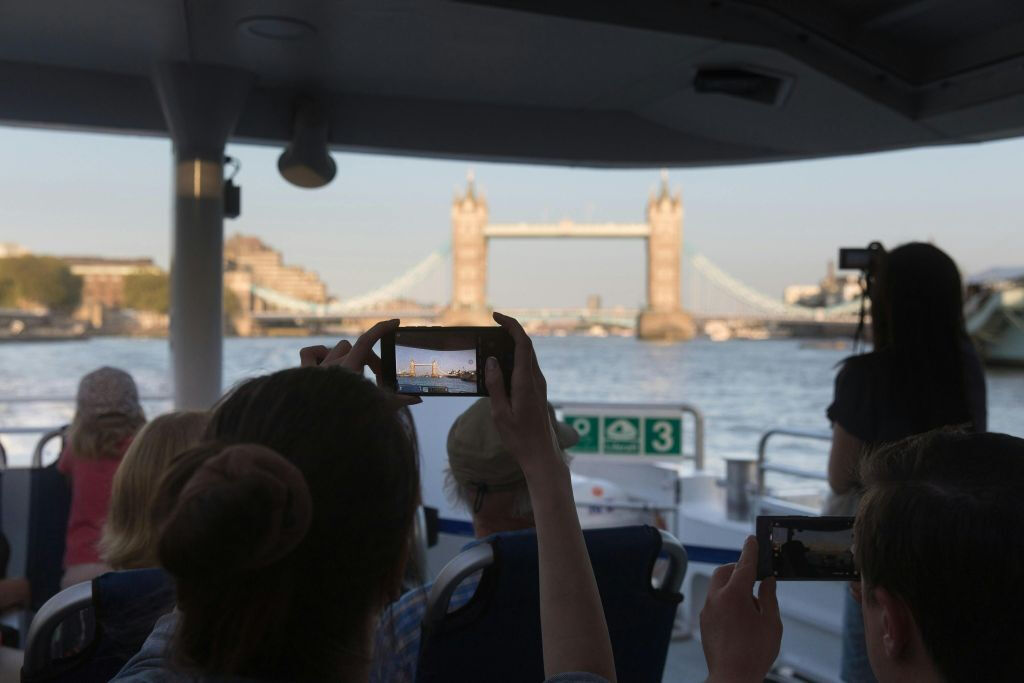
x=587, y=426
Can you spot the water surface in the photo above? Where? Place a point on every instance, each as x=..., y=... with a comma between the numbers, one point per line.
x=743, y=387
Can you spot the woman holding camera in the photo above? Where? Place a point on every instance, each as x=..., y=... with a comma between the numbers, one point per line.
x=923, y=373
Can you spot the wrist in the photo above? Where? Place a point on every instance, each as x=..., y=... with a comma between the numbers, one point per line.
x=544, y=463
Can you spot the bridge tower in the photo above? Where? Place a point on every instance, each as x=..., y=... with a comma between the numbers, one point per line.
x=664, y=317
x=469, y=260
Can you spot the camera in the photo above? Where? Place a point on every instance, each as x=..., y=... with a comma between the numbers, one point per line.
x=860, y=258
x=444, y=361
x=794, y=548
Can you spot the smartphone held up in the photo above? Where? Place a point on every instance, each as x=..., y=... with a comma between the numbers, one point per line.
x=444, y=361
x=793, y=548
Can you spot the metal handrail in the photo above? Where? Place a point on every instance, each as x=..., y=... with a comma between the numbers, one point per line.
x=688, y=408
x=37, y=454
x=762, y=448
x=48, y=433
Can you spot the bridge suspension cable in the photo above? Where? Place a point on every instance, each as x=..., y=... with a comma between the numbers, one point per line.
x=762, y=302
x=366, y=301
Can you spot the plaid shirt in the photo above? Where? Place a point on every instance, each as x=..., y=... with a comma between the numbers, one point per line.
x=396, y=649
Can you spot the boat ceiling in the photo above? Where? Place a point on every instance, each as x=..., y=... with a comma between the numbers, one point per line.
x=639, y=83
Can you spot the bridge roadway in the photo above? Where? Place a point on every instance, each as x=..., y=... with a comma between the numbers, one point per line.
x=567, y=229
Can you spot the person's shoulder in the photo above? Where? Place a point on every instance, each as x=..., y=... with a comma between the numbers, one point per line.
x=864, y=369
x=867, y=363
x=149, y=665
x=405, y=614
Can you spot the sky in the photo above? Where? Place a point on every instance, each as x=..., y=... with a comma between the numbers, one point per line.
x=769, y=225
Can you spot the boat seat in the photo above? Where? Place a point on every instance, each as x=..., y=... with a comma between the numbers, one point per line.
x=35, y=505
x=49, y=506
x=110, y=618
x=496, y=635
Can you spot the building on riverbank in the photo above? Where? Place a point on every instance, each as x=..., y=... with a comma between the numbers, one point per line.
x=249, y=262
x=103, y=286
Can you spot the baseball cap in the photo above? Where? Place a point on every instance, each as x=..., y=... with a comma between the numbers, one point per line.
x=476, y=455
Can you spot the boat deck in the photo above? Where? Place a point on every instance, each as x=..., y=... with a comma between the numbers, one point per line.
x=685, y=662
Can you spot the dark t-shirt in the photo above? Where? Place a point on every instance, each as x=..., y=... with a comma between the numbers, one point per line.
x=870, y=404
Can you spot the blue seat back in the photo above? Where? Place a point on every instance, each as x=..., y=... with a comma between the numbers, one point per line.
x=49, y=505
x=126, y=606
x=117, y=619
x=496, y=635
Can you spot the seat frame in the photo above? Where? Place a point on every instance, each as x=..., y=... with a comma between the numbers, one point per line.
x=53, y=612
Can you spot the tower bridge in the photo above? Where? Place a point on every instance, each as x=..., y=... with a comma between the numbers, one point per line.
x=435, y=371
x=662, y=317
x=675, y=296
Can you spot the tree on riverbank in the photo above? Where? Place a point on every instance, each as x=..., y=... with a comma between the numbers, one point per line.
x=152, y=292
x=39, y=281
x=147, y=292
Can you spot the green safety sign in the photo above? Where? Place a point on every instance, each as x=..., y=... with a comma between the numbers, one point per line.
x=653, y=436
x=663, y=436
x=621, y=435
x=590, y=433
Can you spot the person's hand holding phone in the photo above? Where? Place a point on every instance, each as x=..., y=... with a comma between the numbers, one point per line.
x=521, y=414
x=356, y=356
x=574, y=635
x=741, y=634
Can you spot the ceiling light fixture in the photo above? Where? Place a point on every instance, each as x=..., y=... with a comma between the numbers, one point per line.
x=306, y=161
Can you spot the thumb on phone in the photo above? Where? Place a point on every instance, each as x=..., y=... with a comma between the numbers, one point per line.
x=495, y=382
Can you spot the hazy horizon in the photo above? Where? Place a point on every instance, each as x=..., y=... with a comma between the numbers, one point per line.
x=769, y=225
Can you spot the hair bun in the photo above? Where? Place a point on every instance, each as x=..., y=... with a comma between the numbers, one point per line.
x=243, y=509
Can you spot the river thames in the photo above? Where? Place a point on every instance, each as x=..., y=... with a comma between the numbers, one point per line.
x=743, y=387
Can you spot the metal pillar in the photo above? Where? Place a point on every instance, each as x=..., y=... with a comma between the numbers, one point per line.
x=201, y=104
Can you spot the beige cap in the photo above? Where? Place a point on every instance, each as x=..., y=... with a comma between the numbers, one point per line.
x=475, y=452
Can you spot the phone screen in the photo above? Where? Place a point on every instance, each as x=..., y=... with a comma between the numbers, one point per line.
x=806, y=548
x=444, y=361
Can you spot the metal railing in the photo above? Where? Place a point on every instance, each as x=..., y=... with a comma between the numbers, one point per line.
x=763, y=466
x=48, y=433
x=686, y=408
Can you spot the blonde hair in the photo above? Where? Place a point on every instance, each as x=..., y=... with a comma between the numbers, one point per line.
x=130, y=537
x=102, y=436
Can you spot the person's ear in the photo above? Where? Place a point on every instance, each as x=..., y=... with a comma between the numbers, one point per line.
x=896, y=621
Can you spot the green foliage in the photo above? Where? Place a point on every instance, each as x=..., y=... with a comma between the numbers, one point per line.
x=148, y=292
x=40, y=280
x=7, y=297
x=151, y=292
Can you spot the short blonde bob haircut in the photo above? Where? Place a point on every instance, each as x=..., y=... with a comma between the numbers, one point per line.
x=130, y=537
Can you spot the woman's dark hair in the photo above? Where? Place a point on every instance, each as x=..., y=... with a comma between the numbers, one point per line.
x=917, y=320
x=267, y=590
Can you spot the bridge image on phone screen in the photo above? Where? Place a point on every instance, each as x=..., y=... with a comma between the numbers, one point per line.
x=812, y=553
x=424, y=370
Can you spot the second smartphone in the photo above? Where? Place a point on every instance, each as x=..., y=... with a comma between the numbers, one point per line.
x=793, y=548
x=444, y=361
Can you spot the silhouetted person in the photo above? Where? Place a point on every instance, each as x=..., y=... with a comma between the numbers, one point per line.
x=794, y=559
x=922, y=374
